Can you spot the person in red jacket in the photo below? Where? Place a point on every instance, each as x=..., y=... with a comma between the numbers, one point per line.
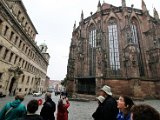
x=62, y=112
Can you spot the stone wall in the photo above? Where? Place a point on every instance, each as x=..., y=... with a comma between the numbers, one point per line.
x=135, y=88
x=70, y=87
x=120, y=87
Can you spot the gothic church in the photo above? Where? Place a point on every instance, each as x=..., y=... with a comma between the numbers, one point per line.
x=117, y=46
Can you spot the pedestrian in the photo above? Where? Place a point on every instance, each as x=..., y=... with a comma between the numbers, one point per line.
x=124, y=104
x=49, y=107
x=15, y=109
x=100, y=99
x=32, y=107
x=144, y=112
x=63, y=104
x=97, y=114
x=108, y=109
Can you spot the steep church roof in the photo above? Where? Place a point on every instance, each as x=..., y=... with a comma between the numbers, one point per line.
x=106, y=6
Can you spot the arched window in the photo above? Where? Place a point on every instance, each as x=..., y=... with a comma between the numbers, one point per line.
x=92, y=50
x=134, y=33
x=92, y=37
x=136, y=40
x=113, y=47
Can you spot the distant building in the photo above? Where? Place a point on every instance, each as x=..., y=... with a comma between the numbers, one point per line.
x=23, y=64
x=55, y=84
x=117, y=46
x=46, y=85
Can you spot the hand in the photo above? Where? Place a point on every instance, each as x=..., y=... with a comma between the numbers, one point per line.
x=66, y=99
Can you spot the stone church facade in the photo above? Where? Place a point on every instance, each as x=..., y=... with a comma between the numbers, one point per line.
x=23, y=63
x=117, y=46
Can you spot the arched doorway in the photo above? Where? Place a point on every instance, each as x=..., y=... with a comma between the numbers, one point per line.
x=11, y=92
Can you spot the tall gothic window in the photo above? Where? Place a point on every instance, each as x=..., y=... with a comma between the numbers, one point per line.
x=113, y=47
x=92, y=37
x=92, y=50
x=134, y=33
x=135, y=40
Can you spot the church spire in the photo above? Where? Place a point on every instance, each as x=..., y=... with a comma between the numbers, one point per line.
x=99, y=6
x=74, y=27
x=144, y=8
x=156, y=16
x=82, y=16
x=123, y=3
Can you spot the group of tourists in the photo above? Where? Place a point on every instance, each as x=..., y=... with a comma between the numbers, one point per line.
x=108, y=108
x=15, y=110
x=122, y=109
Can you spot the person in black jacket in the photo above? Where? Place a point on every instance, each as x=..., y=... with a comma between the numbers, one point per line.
x=108, y=109
x=98, y=114
x=32, y=107
x=48, y=109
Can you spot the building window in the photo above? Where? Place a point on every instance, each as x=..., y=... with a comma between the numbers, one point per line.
x=1, y=76
x=5, y=54
x=23, y=77
x=1, y=22
x=11, y=56
x=20, y=89
x=28, y=29
x=26, y=89
x=92, y=50
x=1, y=48
x=26, y=24
x=92, y=37
x=16, y=39
x=0, y=26
x=15, y=60
x=20, y=59
x=32, y=81
x=12, y=33
x=22, y=19
x=23, y=47
x=26, y=65
x=113, y=47
x=19, y=13
x=135, y=40
x=26, y=49
x=6, y=29
x=23, y=63
x=28, y=80
x=29, y=52
x=134, y=34
x=20, y=42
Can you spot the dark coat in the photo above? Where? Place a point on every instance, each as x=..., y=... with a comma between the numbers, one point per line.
x=48, y=109
x=107, y=110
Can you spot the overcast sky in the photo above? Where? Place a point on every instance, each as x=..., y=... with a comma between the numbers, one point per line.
x=54, y=20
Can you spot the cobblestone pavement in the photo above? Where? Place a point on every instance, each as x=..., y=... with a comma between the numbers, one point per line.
x=78, y=110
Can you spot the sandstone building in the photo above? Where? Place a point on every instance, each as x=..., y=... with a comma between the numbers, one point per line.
x=23, y=63
x=117, y=46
